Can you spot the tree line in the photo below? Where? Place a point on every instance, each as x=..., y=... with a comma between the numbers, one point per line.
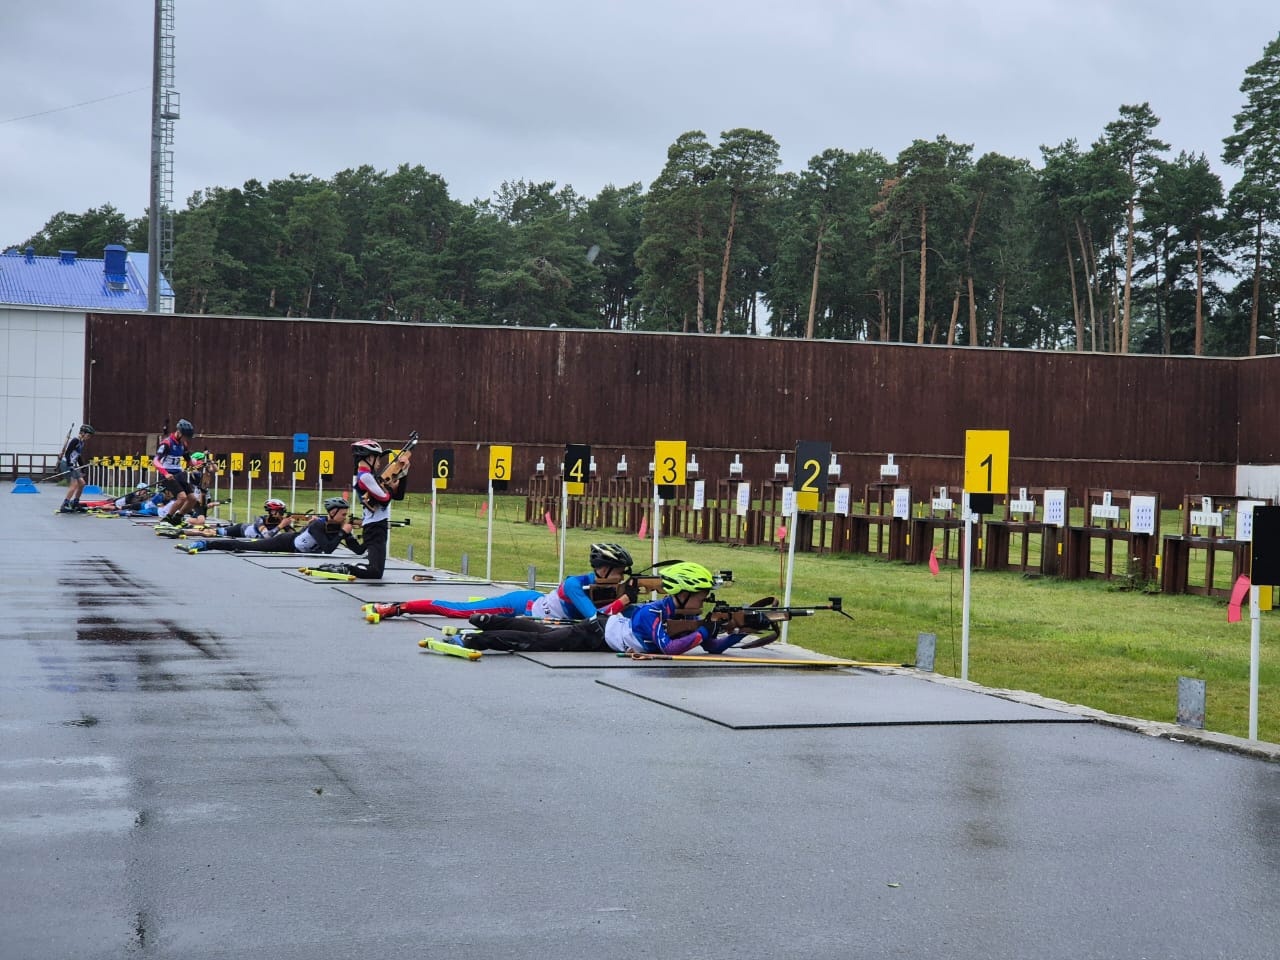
x=1117, y=246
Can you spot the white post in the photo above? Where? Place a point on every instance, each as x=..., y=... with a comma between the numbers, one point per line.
x=791, y=564
x=319, y=491
x=433, y=523
x=968, y=576
x=231, y=485
x=657, y=521
x=1255, y=644
x=564, y=522
x=249, y=507
x=488, y=545
x=293, y=489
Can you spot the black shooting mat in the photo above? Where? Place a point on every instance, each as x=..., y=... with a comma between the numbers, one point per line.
x=278, y=561
x=839, y=699
x=611, y=660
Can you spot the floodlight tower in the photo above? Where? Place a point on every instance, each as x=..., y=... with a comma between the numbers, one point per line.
x=164, y=111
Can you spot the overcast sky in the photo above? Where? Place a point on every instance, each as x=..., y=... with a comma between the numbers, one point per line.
x=585, y=93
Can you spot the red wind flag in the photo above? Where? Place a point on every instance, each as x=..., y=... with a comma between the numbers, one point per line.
x=1238, y=593
x=933, y=561
x=644, y=527
x=550, y=523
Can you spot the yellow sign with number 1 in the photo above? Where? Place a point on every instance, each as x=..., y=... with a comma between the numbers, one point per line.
x=986, y=461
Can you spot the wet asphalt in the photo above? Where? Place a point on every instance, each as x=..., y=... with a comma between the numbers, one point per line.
x=209, y=757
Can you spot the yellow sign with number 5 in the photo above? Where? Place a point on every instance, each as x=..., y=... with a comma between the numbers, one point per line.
x=986, y=461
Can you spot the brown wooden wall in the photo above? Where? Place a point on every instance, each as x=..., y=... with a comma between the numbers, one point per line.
x=1258, y=402
x=1149, y=423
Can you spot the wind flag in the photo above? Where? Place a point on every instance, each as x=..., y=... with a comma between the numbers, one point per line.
x=550, y=523
x=644, y=527
x=933, y=561
x=1238, y=593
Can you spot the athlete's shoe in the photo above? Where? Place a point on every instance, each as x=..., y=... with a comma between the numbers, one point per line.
x=457, y=638
x=375, y=612
x=196, y=546
x=66, y=508
x=336, y=568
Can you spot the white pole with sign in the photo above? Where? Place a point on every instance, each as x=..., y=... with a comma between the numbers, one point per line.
x=499, y=471
x=808, y=491
x=669, y=465
x=789, y=516
x=986, y=472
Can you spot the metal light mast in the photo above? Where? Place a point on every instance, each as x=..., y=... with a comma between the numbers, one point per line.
x=164, y=111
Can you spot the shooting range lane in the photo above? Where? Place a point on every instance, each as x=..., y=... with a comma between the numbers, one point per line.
x=846, y=698
x=612, y=661
x=204, y=759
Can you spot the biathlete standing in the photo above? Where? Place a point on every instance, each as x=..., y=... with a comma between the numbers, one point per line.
x=170, y=463
x=74, y=457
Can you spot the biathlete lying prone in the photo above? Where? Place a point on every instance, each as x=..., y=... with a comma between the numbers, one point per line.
x=671, y=625
x=321, y=535
x=572, y=599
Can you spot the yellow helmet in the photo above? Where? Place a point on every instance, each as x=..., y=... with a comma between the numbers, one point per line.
x=685, y=577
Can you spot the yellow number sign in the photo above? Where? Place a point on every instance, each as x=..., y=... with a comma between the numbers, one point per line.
x=299, y=468
x=275, y=461
x=237, y=462
x=668, y=463
x=326, y=463
x=499, y=463
x=986, y=461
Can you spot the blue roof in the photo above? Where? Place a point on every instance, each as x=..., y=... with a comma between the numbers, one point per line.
x=80, y=282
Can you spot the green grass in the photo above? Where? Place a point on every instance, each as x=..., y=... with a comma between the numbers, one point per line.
x=1085, y=642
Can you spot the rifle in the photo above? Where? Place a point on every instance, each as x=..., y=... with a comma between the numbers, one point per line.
x=356, y=522
x=764, y=616
x=643, y=583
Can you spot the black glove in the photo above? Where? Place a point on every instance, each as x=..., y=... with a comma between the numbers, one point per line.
x=595, y=627
x=756, y=620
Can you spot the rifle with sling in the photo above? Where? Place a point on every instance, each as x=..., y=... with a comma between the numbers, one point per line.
x=765, y=616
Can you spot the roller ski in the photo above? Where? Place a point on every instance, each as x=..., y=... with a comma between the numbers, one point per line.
x=330, y=571
x=377, y=612
x=450, y=648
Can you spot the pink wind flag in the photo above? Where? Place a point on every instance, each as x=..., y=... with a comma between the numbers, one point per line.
x=644, y=527
x=550, y=523
x=484, y=507
x=933, y=561
x=1238, y=593
x=782, y=533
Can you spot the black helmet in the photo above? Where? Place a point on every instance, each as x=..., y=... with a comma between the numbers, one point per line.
x=336, y=503
x=610, y=555
x=275, y=504
x=88, y=429
x=366, y=448
x=185, y=428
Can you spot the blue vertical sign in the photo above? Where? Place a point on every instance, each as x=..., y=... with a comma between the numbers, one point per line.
x=301, y=441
